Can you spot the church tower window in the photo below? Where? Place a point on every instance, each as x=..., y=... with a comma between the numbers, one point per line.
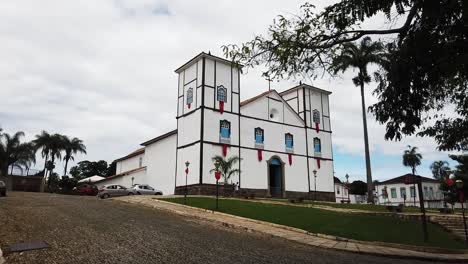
x=225, y=131
x=259, y=137
x=289, y=142
x=222, y=94
x=189, y=99
x=317, y=147
x=316, y=116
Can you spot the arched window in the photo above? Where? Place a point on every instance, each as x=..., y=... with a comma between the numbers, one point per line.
x=316, y=116
x=224, y=131
x=189, y=99
x=317, y=147
x=222, y=94
x=259, y=137
x=289, y=142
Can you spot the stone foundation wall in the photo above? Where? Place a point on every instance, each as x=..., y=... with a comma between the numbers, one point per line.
x=228, y=191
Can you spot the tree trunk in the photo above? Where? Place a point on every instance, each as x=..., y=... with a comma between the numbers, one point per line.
x=11, y=171
x=65, y=170
x=370, y=189
x=414, y=186
x=45, y=165
x=50, y=172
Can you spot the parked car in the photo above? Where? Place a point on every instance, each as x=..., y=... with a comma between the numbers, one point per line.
x=86, y=189
x=146, y=189
x=114, y=190
x=2, y=188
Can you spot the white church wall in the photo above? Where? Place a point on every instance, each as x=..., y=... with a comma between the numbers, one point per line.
x=325, y=140
x=189, y=128
x=272, y=108
x=235, y=80
x=130, y=163
x=223, y=77
x=191, y=154
x=324, y=175
x=300, y=98
x=209, y=72
x=209, y=151
x=253, y=173
x=258, y=109
x=161, y=159
x=198, y=100
x=209, y=97
x=274, y=135
x=235, y=103
x=326, y=107
x=212, y=120
x=295, y=174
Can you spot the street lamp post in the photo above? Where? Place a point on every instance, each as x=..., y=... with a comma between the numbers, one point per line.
x=217, y=176
x=347, y=183
x=461, y=197
x=187, y=163
x=315, y=184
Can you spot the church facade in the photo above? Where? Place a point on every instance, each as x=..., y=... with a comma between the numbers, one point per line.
x=283, y=139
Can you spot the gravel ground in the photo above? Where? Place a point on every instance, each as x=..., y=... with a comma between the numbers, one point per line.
x=87, y=230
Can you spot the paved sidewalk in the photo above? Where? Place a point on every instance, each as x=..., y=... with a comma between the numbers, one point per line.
x=294, y=234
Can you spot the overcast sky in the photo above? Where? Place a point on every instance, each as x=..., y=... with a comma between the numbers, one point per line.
x=103, y=71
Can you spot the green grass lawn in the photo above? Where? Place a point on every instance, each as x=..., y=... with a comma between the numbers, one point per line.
x=354, y=226
x=369, y=207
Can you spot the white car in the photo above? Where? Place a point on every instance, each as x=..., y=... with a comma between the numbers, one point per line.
x=145, y=189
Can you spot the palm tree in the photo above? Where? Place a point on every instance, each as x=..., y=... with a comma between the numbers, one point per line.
x=72, y=146
x=43, y=142
x=412, y=159
x=10, y=148
x=56, y=145
x=440, y=170
x=360, y=56
x=226, y=167
x=25, y=157
x=14, y=153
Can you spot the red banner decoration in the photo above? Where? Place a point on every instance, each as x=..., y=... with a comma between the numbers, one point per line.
x=221, y=106
x=259, y=154
x=449, y=182
x=186, y=171
x=317, y=128
x=318, y=163
x=224, y=150
x=217, y=175
x=290, y=159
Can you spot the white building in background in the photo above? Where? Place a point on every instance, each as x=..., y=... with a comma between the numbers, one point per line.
x=341, y=191
x=397, y=191
x=342, y=194
x=281, y=138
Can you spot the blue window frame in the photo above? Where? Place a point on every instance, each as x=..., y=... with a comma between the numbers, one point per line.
x=222, y=94
x=189, y=99
x=289, y=142
x=225, y=131
x=259, y=135
x=316, y=116
x=317, y=146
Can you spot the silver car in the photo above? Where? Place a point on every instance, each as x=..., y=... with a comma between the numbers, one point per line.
x=146, y=189
x=114, y=190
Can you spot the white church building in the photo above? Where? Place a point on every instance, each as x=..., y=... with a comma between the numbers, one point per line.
x=282, y=138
